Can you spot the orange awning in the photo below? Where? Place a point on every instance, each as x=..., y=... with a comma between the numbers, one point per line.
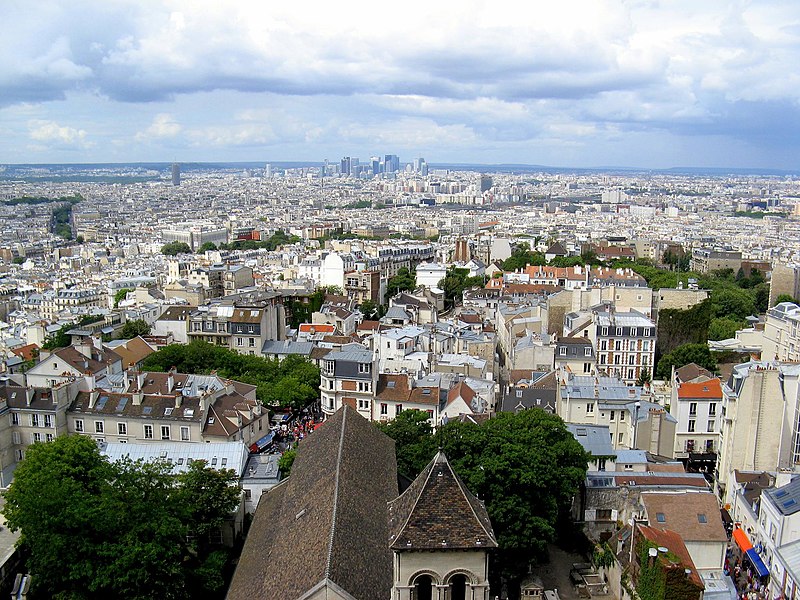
x=741, y=540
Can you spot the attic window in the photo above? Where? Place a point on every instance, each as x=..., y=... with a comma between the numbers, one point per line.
x=581, y=431
x=705, y=388
x=790, y=502
x=780, y=493
x=168, y=411
x=214, y=462
x=701, y=518
x=390, y=384
x=224, y=461
x=426, y=392
x=180, y=461
x=661, y=518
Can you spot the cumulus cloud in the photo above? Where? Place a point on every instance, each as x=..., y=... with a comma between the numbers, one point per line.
x=52, y=132
x=163, y=126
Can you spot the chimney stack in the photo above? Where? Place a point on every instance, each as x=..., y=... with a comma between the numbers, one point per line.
x=178, y=399
x=137, y=397
x=93, y=396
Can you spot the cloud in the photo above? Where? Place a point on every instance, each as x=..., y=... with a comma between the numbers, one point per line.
x=50, y=132
x=163, y=126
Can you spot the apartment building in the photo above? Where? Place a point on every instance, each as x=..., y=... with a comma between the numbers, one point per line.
x=575, y=355
x=759, y=427
x=781, y=338
x=349, y=376
x=698, y=410
x=707, y=260
x=625, y=343
x=361, y=286
x=73, y=362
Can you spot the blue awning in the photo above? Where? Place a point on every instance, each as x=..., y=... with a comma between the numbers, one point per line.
x=757, y=562
x=265, y=441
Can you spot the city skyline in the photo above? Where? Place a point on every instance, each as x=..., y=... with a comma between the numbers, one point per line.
x=581, y=85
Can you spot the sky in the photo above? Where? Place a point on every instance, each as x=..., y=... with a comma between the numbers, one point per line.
x=571, y=83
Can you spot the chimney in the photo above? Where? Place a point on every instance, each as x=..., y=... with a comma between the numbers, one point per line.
x=85, y=349
x=178, y=399
x=29, y=394
x=97, y=341
x=139, y=380
x=137, y=398
x=93, y=395
x=170, y=381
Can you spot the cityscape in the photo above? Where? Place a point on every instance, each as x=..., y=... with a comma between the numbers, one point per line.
x=475, y=302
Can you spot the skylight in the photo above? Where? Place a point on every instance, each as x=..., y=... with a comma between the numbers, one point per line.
x=661, y=517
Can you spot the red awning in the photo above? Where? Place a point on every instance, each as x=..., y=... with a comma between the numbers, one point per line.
x=742, y=540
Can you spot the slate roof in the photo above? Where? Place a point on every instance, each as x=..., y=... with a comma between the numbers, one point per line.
x=438, y=512
x=785, y=498
x=327, y=523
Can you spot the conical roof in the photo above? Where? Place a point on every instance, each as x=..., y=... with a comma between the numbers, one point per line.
x=438, y=512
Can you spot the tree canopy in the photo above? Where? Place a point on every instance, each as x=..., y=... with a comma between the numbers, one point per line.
x=206, y=247
x=404, y=281
x=131, y=329
x=455, y=282
x=120, y=295
x=683, y=355
x=174, y=248
x=525, y=466
x=292, y=382
x=96, y=529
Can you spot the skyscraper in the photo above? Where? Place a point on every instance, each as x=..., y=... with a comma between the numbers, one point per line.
x=391, y=163
x=268, y=171
x=176, y=174
x=345, y=166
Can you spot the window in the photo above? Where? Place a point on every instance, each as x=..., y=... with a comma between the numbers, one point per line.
x=251, y=342
x=712, y=409
x=646, y=332
x=590, y=408
x=49, y=437
x=430, y=414
x=148, y=432
x=384, y=408
x=36, y=437
x=398, y=408
x=79, y=425
x=692, y=409
x=601, y=464
x=709, y=445
x=562, y=351
x=363, y=386
x=691, y=425
x=621, y=438
x=604, y=331
x=34, y=420
x=15, y=418
x=519, y=394
x=621, y=415
x=165, y=432
x=604, y=345
x=122, y=429
x=628, y=467
x=20, y=455
x=16, y=438
x=611, y=415
x=701, y=518
x=633, y=331
x=48, y=420
x=689, y=445
x=661, y=517
x=587, y=351
x=364, y=367
x=363, y=404
x=239, y=341
x=646, y=345
x=619, y=331
x=185, y=434
x=603, y=514
x=710, y=427
x=587, y=367
x=98, y=426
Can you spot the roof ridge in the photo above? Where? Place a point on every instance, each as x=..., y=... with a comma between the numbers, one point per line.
x=335, y=495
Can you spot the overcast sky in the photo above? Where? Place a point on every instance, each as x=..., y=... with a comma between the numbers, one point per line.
x=555, y=82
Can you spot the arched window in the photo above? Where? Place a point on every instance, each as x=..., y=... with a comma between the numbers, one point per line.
x=423, y=588
x=458, y=587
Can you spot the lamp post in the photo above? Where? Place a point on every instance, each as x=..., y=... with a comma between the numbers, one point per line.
x=636, y=408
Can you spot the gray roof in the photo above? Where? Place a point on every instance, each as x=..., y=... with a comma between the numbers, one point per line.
x=218, y=455
x=785, y=498
x=287, y=347
x=595, y=439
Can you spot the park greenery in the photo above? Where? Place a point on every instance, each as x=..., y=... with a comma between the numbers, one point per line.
x=175, y=248
x=526, y=467
x=62, y=216
x=455, y=282
x=120, y=295
x=91, y=528
x=290, y=383
x=61, y=339
x=74, y=199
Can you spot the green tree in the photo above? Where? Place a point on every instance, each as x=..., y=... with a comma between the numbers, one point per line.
x=683, y=355
x=174, y=248
x=369, y=309
x=723, y=328
x=644, y=377
x=130, y=529
x=733, y=302
x=404, y=281
x=286, y=461
x=525, y=466
x=206, y=247
x=131, y=329
x=455, y=282
x=60, y=339
x=414, y=445
x=120, y=296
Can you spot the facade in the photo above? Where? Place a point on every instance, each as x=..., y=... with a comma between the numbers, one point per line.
x=361, y=286
x=348, y=378
x=625, y=343
x=575, y=355
x=698, y=410
x=707, y=260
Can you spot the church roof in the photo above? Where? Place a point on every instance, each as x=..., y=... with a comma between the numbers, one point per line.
x=438, y=512
x=326, y=524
